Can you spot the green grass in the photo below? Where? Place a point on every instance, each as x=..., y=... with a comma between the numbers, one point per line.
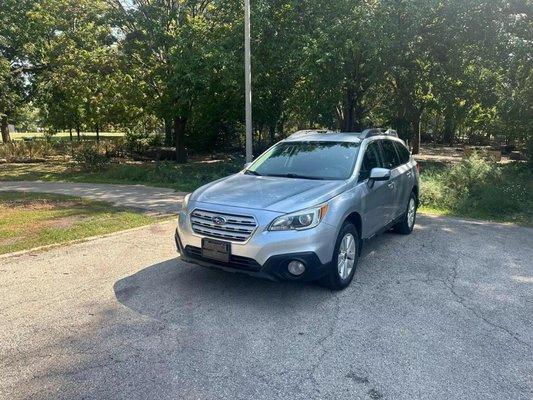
x=30, y=220
x=185, y=177
x=64, y=135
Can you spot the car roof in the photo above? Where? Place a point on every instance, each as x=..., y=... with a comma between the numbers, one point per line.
x=333, y=136
x=324, y=136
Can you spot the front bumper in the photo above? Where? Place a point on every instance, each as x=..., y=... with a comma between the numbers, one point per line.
x=275, y=267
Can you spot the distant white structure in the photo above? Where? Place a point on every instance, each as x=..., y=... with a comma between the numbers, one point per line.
x=11, y=128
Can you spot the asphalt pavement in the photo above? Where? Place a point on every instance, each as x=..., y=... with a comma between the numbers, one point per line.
x=445, y=313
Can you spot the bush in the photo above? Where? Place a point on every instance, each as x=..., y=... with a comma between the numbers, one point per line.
x=25, y=150
x=479, y=188
x=89, y=157
x=137, y=143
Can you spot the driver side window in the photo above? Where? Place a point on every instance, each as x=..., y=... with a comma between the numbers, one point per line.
x=371, y=159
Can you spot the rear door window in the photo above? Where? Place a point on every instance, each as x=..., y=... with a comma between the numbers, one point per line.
x=391, y=158
x=371, y=159
x=402, y=152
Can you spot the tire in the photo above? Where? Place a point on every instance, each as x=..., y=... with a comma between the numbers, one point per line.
x=339, y=278
x=407, y=223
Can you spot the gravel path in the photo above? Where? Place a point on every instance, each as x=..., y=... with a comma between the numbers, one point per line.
x=445, y=313
x=152, y=199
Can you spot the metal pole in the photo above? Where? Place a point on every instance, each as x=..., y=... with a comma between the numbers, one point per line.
x=248, y=81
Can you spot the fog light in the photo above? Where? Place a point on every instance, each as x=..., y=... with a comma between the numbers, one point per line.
x=296, y=268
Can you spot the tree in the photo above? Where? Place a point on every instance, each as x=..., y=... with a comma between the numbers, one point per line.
x=85, y=82
x=172, y=46
x=343, y=66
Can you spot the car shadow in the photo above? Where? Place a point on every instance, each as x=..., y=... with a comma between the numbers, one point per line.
x=172, y=290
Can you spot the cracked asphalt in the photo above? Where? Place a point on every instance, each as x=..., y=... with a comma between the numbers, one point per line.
x=445, y=313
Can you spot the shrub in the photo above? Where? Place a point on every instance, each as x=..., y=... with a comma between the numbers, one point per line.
x=137, y=143
x=472, y=171
x=27, y=150
x=89, y=157
x=479, y=188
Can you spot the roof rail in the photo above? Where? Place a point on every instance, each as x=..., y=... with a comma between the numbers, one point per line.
x=377, y=132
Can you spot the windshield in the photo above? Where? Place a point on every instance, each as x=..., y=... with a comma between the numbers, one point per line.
x=308, y=160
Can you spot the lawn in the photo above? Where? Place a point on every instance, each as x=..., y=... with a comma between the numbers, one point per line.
x=30, y=220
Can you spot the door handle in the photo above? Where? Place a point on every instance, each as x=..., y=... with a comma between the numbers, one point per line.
x=391, y=185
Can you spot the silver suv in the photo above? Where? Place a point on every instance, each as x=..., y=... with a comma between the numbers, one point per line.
x=302, y=210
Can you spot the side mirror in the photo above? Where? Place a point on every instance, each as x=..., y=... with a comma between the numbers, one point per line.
x=246, y=165
x=379, y=174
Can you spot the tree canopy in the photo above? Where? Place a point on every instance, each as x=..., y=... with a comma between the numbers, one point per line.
x=434, y=70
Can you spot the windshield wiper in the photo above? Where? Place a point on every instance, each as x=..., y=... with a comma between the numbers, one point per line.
x=250, y=172
x=296, y=176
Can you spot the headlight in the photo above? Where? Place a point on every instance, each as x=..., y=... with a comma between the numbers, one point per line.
x=185, y=203
x=300, y=220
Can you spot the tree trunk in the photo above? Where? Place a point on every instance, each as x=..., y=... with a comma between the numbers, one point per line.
x=272, y=134
x=70, y=133
x=78, y=129
x=179, y=132
x=448, y=134
x=358, y=115
x=6, y=137
x=417, y=127
x=168, y=132
x=348, y=122
x=97, y=133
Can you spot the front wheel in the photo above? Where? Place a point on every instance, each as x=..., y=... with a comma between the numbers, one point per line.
x=407, y=223
x=344, y=260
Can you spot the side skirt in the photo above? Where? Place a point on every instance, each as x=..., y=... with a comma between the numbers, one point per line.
x=384, y=229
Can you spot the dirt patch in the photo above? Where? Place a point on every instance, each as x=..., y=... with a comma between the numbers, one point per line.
x=38, y=204
x=63, y=222
x=11, y=241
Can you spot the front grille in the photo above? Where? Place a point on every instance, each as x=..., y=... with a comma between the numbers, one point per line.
x=237, y=228
x=237, y=262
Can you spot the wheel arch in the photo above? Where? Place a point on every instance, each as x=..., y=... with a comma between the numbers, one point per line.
x=416, y=191
x=357, y=221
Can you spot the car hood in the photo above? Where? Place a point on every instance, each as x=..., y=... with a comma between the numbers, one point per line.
x=268, y=193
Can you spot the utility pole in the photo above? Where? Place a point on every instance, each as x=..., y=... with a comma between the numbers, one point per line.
x=248, y=81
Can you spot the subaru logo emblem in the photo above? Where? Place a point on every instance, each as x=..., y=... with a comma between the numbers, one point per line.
x=218, y=220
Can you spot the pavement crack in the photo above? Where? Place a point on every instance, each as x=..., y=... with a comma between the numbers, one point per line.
x=451, y=284
x=321, y=344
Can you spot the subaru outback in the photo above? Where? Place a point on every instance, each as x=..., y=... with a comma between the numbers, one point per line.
x=302, y=210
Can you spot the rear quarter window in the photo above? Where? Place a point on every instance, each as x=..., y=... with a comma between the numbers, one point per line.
x=390, y=155
x=403, y=153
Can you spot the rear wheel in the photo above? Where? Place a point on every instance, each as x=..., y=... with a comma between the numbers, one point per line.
x=345, y=259
x=407, y=223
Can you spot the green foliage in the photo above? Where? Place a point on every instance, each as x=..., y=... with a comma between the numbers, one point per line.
x=90, y=158
x=529, y=151
x=452, y=70
x=479, y=188
x=137, y=142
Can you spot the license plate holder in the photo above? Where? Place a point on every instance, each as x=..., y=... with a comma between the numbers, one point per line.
x=216, y=250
